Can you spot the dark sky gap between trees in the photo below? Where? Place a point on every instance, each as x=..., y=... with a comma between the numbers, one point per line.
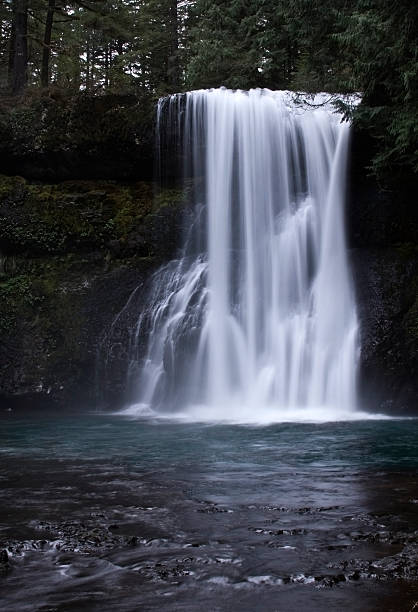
x=155, y=47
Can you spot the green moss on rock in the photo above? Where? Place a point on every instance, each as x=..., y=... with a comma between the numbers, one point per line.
x=17, y=300
x=40, y=218
x=70, y=255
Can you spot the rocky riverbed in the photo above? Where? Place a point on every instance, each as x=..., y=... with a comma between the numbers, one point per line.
x=175, y=517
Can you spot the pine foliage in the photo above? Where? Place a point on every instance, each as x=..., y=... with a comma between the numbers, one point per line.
x=161, y=46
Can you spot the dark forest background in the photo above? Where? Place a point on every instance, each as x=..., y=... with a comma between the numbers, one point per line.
x=80, y=224
x=149, y=48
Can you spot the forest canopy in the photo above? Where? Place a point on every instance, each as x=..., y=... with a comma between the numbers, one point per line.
x=155, y=47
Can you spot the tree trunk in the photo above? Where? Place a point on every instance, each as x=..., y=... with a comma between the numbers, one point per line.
x=173, y=69
x=107, y=65
x=88, y=66
x=12, y=45
x=46, y=52
x=20, y=55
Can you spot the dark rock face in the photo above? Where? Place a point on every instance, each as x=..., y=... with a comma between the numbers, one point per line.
x=71, y=255
x=50, y=351
x=383, y=236
x=78, y=234
x=4, y=562
x=387, y=287
x=81, y=232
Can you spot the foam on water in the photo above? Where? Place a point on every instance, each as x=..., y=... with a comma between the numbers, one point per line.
x=252, y=415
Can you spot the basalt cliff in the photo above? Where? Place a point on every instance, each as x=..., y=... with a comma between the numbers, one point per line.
x=82, y=227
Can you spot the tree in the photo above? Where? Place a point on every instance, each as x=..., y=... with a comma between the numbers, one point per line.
x=19, y=47
x=380, y=36
x=224, y=44
x=46, y=52
x=164, y=46
x=6, y=21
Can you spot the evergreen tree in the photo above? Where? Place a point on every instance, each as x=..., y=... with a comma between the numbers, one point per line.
x=19, y=46
x=224, y=44
x=6, y=24
x=163, y=46
x=381, y=38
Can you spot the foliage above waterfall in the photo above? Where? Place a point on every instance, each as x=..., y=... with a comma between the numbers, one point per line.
x=369, y=46
x=381, y=38
x=162, y=46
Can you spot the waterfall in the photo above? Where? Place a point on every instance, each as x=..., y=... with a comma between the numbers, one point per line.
x=257, y=317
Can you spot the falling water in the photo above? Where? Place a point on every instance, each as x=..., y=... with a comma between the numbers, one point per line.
x=258, y=315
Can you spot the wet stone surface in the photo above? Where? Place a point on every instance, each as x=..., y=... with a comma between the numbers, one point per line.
x=119, y=532
x=167, y=546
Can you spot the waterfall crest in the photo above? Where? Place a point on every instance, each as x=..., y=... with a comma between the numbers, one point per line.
x=258, y=315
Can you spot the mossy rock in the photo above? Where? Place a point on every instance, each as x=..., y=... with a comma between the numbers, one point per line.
x=39, y=218
x=71, y=253
x=17, y=301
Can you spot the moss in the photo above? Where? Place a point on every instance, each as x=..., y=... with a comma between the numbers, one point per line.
x=9, y=185
x=58, y=218
x=17, y=301
x=87, y=215
x=59, y=244
x=42, y=307
x=170, y=197
x=61, y=322
x=130, y=205
x=407, y=250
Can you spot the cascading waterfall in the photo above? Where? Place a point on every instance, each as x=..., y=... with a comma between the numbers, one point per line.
x=257, y=319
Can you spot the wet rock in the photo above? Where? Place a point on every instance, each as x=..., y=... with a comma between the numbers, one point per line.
x=306, y=510
x=400, y=566
x=213, y=510
x=167, y=571
x=382, y=225
x=87, y=537
x=66, y=250
x=387, y=293
x=277, y=532
x=330, y=581
x=404, y=565
x=4, y=562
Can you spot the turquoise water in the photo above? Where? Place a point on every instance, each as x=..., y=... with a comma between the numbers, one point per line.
x=100, y=512
x=151, y=443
